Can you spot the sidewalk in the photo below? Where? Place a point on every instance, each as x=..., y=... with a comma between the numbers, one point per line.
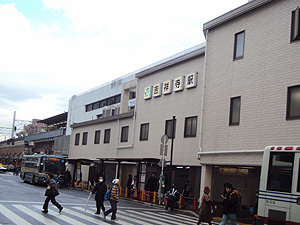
x=243, y=216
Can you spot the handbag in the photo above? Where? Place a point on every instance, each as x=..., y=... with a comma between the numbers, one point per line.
x=251, y=210
x=55, y=192
x=47, y=192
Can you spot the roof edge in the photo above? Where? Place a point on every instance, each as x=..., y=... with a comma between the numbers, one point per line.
x=234, y=13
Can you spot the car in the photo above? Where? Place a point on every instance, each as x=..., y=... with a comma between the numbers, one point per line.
x=3, y=169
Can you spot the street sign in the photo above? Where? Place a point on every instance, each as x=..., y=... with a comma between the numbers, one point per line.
x=162, y=149
x=164, y=139
x=160, y=163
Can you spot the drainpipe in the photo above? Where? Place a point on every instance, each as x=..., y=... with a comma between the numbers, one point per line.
x=203, y=91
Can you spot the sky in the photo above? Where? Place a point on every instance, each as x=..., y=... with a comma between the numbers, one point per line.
x=54, y=49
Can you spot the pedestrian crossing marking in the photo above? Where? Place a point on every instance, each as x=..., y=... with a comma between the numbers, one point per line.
x=35, y=215
x=12, y=216
x=62, y=217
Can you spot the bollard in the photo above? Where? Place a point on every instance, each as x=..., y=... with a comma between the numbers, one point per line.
x=76, y=183
x=180, y=199
x=107, y=188
x=82, y=184
x=195, y=204
x=120, y=191
x=143, y=193
x=148, y=197
x=89, y=185
x=126, y=192
x=154, y=195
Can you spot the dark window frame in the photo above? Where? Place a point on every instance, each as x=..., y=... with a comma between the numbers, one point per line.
x=290, y=104
x=295, y=25
x=231, y=122
x=192, y=131
x=77, y=139
x=84, y=138
x=97, y=137
x=144, y=132
x=168, y=128
x=124, y=134
x=236, y=38
x=107, y=136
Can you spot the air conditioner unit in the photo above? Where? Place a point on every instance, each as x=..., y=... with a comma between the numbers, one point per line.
x=116, y=111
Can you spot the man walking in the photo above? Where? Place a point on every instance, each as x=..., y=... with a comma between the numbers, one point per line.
x=100, y=190
x=230, y=205
x=114, y=198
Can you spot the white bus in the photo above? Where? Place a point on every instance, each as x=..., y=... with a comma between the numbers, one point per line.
x=279, y=190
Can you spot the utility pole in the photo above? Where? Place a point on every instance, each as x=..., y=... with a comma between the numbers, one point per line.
x=171, y=157
x=13, y=125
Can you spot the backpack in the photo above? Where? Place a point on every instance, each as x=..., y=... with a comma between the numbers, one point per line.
x=107, y=194
x=239, y=198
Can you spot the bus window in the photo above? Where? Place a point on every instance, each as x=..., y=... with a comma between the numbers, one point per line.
x=280, y=172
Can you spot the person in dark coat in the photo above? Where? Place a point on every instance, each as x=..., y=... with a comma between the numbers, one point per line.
x=52, y=187
x=230, y=205
x=172, y=197
x=129, y=185
x=100, y=190
x=205, y=207
x=152, y=183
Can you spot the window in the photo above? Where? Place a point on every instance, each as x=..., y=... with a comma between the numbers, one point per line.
x=106, y=136
x=111, y=101
x=124, y=134
x=89, y=107
x=190, y=127
x=280, y=172
x=239, y=45
x=295, y=25
x=118, y=99
x=298, y=187
x=84, y=138
x=235, y=105
x=144, y=132
x=77, y=137
x=96, y=105
x=132, y=95
x=168, y=128
x=97, y=137
x=293, y=103
x=103, y=103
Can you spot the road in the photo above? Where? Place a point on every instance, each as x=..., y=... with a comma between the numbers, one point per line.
x=21, y=203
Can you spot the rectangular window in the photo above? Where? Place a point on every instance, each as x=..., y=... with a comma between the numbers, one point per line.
x=293, y=103
x=77, y=137
x=190, y=127
x=103, y=103
x=239, y=45
x=111, y=101
x=96, y=105
x=118, y=99
x=280, y=172
x=124, y=134
x=235, y=105
x=97, y=137
x=89, y=107
x=295, y=25
x=144, y=132
x=168, y=128
x=107, y=136
x=298, y=187
x=84, y=138
x=132, y=95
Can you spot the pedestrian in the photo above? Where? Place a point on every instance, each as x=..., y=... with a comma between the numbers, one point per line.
x=129, y=185
x=67, y=178
x=100, y=190
x=152, y=183
x=229, y=205
x=205, y=207
x=187, y=188
x=51, y=192
x=172, y=197
x=133, y=185
x=114, y=198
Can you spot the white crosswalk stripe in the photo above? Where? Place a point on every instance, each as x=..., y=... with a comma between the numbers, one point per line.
x=30, y=213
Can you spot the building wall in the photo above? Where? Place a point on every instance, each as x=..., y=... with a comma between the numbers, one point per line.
x=156, y=111
x=270, y=65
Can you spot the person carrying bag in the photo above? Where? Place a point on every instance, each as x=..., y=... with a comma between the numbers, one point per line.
x=51, y=192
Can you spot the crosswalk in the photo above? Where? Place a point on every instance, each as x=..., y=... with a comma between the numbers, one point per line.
x=30, y=213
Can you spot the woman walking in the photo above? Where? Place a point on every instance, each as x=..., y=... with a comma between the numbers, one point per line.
x=51, y=192
x=114, y=198
x=100, y=190
x=205, y=207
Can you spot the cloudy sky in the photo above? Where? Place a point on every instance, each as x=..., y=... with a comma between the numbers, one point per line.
x=53, y=49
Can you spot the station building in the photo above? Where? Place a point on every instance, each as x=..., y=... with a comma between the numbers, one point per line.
x=230, y=98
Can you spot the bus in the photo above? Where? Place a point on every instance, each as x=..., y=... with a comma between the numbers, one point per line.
x=35, y=168
x=279, y=188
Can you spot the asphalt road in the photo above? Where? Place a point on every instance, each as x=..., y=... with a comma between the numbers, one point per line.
x=21, y=203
